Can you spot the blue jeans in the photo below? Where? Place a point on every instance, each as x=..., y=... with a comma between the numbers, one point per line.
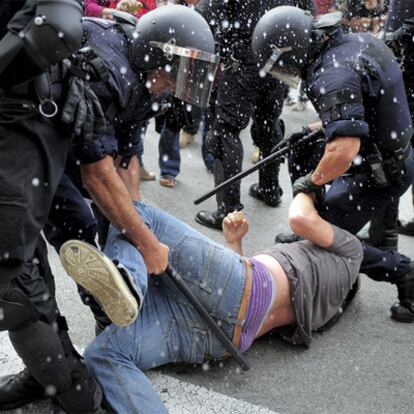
x=169, y=152
x=167, y=329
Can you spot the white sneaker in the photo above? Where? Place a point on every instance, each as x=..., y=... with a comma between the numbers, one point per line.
x=95, y=272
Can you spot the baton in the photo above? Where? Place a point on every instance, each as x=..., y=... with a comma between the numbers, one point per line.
x=202, y=311
x=278, y=151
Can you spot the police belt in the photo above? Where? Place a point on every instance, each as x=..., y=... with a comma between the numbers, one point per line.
x=364, y=167
x=29, y=97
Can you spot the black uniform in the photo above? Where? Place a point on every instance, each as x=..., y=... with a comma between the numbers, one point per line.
x=357, y=87
x=241, y=94
x=33, y=149
x=400, y=27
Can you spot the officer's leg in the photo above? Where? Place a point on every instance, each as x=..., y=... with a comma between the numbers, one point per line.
x=233, y=107
x=267, y=130
x=350, y=204
x=28, y=181
x=383, y=228
x=45, y=339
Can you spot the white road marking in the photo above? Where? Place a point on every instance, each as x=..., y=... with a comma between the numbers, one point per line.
x=179, y=396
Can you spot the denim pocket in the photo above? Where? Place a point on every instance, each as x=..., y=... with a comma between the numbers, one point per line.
x=203, y=263
x=186, y=343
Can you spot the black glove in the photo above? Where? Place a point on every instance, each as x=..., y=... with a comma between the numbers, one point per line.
x=305, y=185
x=83, y=109
x=296, y=136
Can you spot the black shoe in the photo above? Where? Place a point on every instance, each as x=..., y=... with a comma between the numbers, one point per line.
x=212, y=219
x=407, y=228
x=286, y=238
x=389, y=242
x=19, y=389
x=84, y=396
x=269, y=198
x=403, y=311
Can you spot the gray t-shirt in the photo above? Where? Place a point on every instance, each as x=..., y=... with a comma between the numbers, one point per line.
x=319, y=280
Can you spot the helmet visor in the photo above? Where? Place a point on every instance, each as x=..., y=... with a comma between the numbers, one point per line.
x=291, y=79
x=195, y=73
x=274, y=66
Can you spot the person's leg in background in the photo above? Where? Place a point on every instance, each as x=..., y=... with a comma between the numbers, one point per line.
x=267, y=131
x=191, y=125
x=234, y=106
x=300, y=105
x=169, y=147
x=209, y=115
x=146, y=175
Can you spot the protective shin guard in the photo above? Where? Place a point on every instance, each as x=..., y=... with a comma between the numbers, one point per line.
x=228, y=199
x=40, y=348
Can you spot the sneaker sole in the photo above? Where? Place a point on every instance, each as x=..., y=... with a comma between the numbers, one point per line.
x=99, y=276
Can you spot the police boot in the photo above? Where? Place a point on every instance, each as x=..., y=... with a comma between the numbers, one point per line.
x=383, y=230
x=19, y=389
x=228, y=200
x=269, y=197
x=403, y=311
x=286, y=238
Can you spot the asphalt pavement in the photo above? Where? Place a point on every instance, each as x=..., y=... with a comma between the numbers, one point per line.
x=364, y=364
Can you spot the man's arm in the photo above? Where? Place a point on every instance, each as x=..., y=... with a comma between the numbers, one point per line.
x=112, y=197
x=305, y=221
x=235, y=227
x=338, y=157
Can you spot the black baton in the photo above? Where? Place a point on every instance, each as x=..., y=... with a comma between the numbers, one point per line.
x=278, y=151
x=202, y=311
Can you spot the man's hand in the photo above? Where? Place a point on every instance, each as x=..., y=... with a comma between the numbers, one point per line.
x=155, y=257
x=129, y=6
x=305, y=185
x=235, y=226
x=83, y=109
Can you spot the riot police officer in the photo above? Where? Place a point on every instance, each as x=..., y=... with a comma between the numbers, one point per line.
x=399, y=34
x=353, y=81
x=163, y=46
x=241, y=94
x=38, y=114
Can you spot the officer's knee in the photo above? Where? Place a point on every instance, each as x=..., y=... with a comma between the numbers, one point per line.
x=15, y=308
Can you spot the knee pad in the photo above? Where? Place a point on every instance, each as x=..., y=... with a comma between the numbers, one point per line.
x=16, y=310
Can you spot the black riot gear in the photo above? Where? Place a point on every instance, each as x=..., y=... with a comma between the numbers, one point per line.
x=287, y=38
x=42, y=33
x=179, y=40
x=282, y=42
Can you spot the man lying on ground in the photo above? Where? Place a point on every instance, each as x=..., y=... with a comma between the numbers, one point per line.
x=295, y=288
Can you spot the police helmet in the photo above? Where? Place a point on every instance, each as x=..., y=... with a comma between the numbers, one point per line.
x=282, y=43
x=179, y=40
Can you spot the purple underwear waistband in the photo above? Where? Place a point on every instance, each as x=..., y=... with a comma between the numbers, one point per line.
x=261, y=297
